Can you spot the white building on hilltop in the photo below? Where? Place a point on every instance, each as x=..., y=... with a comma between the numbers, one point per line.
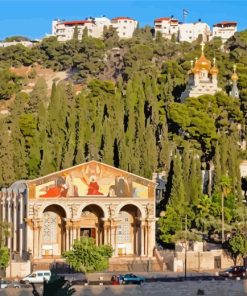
x=167, y=26
x=225, y=30
x=202, y=78
x=65, y=30
x=125, y=26
x=191, y=31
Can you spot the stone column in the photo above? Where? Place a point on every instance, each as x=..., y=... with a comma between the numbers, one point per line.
x=115, y=240
x=146, y=239
x=151, y=236
x=143, y=238
x=74, y=230
x=105, y=235
x=67, y=237
x=21, y=225
x=39, y=239
x=9, y=220
x=36, y=238
x=3, y=208
x=137, y=239
x=15, y=206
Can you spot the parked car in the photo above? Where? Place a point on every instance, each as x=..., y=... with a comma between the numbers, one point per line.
x=3, y=284
x=131, y=278
x=37, y=277
x=234, y=271
x=14, y=284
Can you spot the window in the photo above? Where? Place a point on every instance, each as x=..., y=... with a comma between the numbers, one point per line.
x=40, y=273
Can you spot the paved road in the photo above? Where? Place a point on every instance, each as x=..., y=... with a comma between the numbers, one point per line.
x=172, y=288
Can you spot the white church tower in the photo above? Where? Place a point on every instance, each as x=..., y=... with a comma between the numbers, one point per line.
x=234, y=91
x=203, y=78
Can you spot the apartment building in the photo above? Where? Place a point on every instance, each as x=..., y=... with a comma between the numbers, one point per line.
x=65, y=30
x=191, y=31
x=225, y=30
x=167, y=26
x=125, y=26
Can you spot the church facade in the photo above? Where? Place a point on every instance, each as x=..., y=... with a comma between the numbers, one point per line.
x=92, y=199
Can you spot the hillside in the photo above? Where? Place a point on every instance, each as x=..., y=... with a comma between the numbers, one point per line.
x=117, y=101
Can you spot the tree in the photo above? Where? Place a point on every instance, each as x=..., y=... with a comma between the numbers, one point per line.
x=237, y=246
x=85, y=256
x=9, y=84
x=4, y=257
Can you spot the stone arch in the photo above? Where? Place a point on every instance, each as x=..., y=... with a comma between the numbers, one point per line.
x=46, y=205
x=53, y=230
x=137, y=204
x=83, y=206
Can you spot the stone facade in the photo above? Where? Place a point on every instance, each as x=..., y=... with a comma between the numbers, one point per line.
x=92, y=199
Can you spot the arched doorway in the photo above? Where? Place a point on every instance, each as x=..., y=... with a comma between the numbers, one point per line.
x=53, y=231
x=129, y=231
x=91, y=224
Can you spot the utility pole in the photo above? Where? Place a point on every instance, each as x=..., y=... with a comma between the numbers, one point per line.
x=185, y=252
x=222, y=218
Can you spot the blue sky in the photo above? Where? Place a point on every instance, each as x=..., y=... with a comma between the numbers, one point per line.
x=32, y=18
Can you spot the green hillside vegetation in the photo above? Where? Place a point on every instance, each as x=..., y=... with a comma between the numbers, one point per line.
x=129, y=115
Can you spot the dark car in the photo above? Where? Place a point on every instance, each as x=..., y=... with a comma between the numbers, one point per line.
x=131, y=278
x=234, y=271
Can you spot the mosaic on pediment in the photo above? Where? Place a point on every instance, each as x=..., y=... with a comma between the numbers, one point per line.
x=91, y=179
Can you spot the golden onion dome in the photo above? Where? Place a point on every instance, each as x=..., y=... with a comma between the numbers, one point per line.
x=234, y=77
x=214, y=70
x=203, y=63
x=196, y=70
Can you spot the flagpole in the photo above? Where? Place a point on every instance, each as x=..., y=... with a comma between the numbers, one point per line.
x=185, y=13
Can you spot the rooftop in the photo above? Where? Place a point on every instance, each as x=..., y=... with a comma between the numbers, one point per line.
x=122, y=18
x=225, y=23
x=80, y=22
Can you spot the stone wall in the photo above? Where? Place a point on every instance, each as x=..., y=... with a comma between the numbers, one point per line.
x=201, y=261
x=18, y=269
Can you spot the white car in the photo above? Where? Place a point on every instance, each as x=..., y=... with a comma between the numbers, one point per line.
x=37, y=277
x=3, y=284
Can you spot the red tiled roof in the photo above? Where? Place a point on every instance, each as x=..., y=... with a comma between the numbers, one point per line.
x=159, y=20
x=225, y=23
x=122, y=18
x=77, y=22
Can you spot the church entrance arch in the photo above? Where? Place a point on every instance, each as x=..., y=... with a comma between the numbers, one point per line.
x=53, y=231
x=129, y=231
x=91, y=224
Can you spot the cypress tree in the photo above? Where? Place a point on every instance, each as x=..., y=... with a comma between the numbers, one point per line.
x=108, y=138
x=217, y=169
x=37, y=96
x=7, y=172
